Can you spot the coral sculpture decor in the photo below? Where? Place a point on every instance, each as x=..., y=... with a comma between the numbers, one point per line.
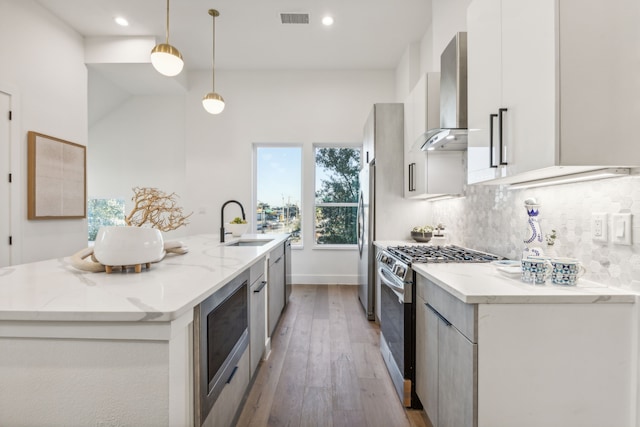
x=157, y=209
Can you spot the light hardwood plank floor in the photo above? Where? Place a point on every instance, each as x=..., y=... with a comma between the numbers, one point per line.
x=325, y=368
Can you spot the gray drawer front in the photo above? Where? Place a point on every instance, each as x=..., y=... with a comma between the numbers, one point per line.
x=257, y=270
x=463, y=316
x=276, y=253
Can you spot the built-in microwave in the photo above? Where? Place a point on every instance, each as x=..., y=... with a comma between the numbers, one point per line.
x=221, y=336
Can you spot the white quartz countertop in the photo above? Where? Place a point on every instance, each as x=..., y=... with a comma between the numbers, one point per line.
x=53, y=290
x=483, y=283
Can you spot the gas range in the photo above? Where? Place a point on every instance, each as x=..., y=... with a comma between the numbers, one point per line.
x=439, y=254
x=398, y=311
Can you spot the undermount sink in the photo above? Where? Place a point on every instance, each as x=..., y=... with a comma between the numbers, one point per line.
x=260, y=242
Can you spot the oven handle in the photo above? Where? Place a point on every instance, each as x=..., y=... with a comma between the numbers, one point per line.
x=399, y=291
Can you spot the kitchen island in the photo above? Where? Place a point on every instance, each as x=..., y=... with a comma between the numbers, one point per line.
x=493, y=351
x=82, y=348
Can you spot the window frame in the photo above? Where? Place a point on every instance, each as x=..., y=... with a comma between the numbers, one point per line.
x=331, y=246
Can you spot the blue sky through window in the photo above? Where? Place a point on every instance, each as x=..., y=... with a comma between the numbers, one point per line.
x=279, y=175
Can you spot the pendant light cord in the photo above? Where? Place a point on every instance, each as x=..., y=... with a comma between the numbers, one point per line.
x=213, y=51
x=167, y=35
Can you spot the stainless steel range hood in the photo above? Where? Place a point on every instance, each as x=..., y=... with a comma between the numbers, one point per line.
x=452, y=134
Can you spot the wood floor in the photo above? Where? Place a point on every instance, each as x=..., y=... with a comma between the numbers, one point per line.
x=325, y=368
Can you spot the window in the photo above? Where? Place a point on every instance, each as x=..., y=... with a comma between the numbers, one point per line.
x=103, y=212
x=336, y=197
x=279, y=190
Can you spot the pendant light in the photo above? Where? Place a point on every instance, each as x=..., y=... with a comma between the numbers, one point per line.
x=165, y=58
x=212, y=102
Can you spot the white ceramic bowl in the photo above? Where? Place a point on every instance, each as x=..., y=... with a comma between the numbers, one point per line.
x=117, y=246
x=236, y=229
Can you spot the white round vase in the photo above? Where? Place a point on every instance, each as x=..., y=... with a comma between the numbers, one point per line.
x=115, y=246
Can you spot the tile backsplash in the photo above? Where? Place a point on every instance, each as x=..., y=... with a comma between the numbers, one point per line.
x=494, y=219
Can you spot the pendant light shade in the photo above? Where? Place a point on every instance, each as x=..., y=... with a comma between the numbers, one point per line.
x=213, y=102
x=165, y=58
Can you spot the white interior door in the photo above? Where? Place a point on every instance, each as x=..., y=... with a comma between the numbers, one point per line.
x=5, y=192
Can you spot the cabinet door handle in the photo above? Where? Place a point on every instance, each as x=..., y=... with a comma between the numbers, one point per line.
x=491, y=162
x=261, y=287
x=278, y=260
x=233, y=374
x=500, y=113
x=412, y=177
x=440, y=316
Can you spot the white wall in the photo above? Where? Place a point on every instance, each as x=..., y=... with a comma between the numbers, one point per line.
x=449, y=17
x=45, y=74
x=422, y=56
x=172, y=143
x=139, y=144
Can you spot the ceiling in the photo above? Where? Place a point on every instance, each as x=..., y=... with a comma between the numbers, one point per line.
x=367, y=34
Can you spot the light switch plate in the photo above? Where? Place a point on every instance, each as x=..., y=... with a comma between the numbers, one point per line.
x=599, y=227
x=621, y=228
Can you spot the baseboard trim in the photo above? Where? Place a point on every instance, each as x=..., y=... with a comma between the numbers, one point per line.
x=314, y=279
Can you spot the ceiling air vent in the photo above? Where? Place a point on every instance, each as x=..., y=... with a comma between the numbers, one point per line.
x=294, y=18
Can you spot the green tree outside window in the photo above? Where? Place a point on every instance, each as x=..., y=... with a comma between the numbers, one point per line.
x=337, y=189
x=104, y=212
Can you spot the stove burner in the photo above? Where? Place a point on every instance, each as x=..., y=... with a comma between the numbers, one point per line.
x=439, y=254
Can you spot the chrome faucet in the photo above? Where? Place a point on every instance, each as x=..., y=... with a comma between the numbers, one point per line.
x=222, y=232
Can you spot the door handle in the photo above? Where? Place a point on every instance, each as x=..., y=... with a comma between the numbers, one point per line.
x=501, y=111
x=261, y=287
x=412, y=177
x=440, y=316
x=491, y=163
x=233, y=374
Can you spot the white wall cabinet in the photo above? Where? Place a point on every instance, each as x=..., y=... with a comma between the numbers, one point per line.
x=276, y=278
x=257, y=314
x=428, y=174
x=552, y=87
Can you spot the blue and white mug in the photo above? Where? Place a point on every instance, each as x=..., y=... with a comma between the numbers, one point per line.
x=536, y=270
x=566, y=271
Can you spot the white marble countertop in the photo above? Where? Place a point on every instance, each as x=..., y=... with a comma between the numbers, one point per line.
x=483, y=283
x=53, y=290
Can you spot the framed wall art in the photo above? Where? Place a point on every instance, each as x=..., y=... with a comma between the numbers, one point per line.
x=56, y=178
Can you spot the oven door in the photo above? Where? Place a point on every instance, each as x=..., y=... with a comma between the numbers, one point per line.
x=397, y=338
x=392, y=316
x=400, y=288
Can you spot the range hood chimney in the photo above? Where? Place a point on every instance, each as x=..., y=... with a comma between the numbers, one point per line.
x=452, y=134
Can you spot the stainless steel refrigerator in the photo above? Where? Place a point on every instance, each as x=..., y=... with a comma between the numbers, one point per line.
x=381, y=193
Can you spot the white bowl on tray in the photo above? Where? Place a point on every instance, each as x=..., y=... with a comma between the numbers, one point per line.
x=123, y=246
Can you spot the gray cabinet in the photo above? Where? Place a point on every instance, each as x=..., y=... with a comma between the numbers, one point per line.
x=228, y=405
x=257, y=313
x=457, y=383
x=446, y=357
x=427, y=359
x=275, y=279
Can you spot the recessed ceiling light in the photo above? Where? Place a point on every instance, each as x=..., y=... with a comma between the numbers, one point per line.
x=327, y=20
x=121, y=21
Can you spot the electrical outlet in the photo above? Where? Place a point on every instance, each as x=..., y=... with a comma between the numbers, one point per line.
x=621, y=228
x=599, y=227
